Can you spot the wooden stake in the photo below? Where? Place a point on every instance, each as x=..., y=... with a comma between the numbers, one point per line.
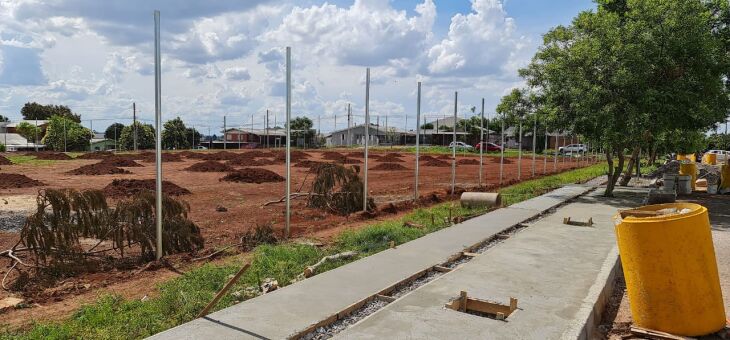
x=223, y=291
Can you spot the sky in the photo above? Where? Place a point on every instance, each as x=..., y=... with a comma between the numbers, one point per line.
x=226, y=57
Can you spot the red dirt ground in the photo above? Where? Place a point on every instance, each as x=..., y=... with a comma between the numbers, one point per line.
x=12, y=181
x=253, y=175
x=124, y=162
x=244, y=203
x=96, y=155
x=5, y=161
x=209, y=166
x=468, y=161
x=97, y=169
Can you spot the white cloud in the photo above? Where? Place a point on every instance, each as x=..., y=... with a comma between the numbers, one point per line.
x=237, y=73
x=21, y=66
x=481, y=42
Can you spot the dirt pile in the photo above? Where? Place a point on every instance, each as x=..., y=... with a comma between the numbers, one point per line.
x=468, y=161
x=361, y=154
x=5, y=161
x=333, y=156
x=444, y=156
x=121, y=162
x=54, y=156
x=349, y=161
x=391, y=157
x=217, y=156
x=95, y=155
x=388, y=166
x=149, y=157
x=10, y=181
x=709, y=172
x=209, y=166
x=252, y=175
x=251, y=162
x=130, y=187
x=97, y=169
x=436, y=163
x=312, y=165
x=295, y=156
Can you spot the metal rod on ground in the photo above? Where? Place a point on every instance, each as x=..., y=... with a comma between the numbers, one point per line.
x=288, y=141
x=223, y=291
x=158, y=136
x=418, y=144
x=453, y=149
x=534, y=145
x=367, y=136
x=501, y=158
x=481, y=144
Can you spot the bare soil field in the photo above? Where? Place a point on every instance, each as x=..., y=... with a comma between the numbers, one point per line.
x=224, y=210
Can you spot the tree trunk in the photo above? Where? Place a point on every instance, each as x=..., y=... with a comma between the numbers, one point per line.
x=629, y=169
x=613, y=172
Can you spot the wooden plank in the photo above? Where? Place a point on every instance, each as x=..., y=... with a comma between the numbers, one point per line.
x=441, y=269
x=652, y=334
x=488, y=307
x=468, y=254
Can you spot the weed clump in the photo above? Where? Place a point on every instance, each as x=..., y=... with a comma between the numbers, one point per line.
x=338, y=189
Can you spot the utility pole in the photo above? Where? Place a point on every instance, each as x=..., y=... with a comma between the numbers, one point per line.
x=225, y=134
x=349, y=125
x=91, y=141
x=453, y=150
x=134, y=126
x=158, y=133
x=367, y=137
x=64, y=136
x=386, y=128
x=267, y=128
x=193, y=136
x=35, y=138
x=501, y=158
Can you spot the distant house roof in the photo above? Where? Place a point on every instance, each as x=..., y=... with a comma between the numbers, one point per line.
x=13, y=140
x=31, y=122
x=380, y=130
x=446, y=121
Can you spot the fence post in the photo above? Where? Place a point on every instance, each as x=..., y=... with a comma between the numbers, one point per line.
x=288, y=142
x=481, y=144
x=367, y=137
x=418, y=144
x=453, y=149
x=158, y=136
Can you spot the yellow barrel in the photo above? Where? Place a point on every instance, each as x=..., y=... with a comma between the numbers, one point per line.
x=690, y=157
x=725, y=176
x=670, y=271
x=689, y=169
x=709, y=158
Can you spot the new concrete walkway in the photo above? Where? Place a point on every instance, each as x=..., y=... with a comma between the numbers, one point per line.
x=559, y=273
x=294, y=308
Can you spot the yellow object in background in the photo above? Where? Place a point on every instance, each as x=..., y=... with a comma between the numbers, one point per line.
x=709, y=158
x=690, y=157
x=689, y=169
x=725, y=176
x=671, y=272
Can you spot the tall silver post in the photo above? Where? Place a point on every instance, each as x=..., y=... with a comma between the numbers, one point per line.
x=288, y=141
x=367, y=137
x=555, y=159
x=64, y=136
x=453, y=150
x=192, y=132
x=501, y=158
x=225, y=134
x=134, y=125
x=349, y=126
x=35, y=138
x=519, y=152
x=267, y=128
x=534, y=145
x=481, y=144
x=418, y=144
x=158, y=136
x=544, y=150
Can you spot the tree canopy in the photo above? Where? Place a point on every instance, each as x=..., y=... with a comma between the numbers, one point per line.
x=632, y=70
x=34, y=110
x=145, y=137
x=29, y=131
x=4, y=119
x=76, y=136
x=113, y=131
x=175, y=135
x=302, y=128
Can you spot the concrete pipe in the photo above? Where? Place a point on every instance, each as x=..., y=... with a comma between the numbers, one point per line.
x=480, y=199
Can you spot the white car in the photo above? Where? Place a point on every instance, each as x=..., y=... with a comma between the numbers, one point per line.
x=461, y=145
x=200, y=147
x=722, y=155
x=573, y=148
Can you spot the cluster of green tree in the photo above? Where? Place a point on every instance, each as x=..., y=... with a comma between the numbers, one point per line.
x=64, y=133
x=632, y=75
x=31, y=111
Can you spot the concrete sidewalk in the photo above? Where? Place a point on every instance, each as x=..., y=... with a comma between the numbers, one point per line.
x=294, y=308
x=560, y=274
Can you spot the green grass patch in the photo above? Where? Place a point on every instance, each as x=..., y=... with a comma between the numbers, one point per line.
x=180, y=299
x=29, y=160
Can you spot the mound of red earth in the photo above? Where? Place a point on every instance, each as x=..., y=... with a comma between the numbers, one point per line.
x=295, y=156
x=349, y=161
x=251, y=162
x=252, y=175
x=312, y=165
x=444, y=156
x=219, y=156
x=166, y=157
x=361, y=154
x=391, y=157
x=388, y=166
x=209, y=166
x=55, y=156
x=425, y=158
x=468, y=161
x=333, y=155
x=95, y=155
x=5, y=161
x=130, y=187
x=436, y=163
x=10, y=181
x=97, y=169
x=124, y=162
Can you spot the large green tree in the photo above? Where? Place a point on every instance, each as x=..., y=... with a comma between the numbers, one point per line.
x=631, y=70
x=29, y=131
x=62, y=131
x=34, y=110
x=175, y=135
x=4, y=119
x=113, y=131
x=145, y=137
x=301, y=127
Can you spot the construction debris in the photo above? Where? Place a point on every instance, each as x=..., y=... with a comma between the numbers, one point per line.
x=311, y=270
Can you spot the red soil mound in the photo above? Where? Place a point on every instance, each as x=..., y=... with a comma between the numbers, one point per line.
x=5, y=161
x=95, y=155
x=312, y=165
x=444, y=156
x=390, y=158
x=9, y=181
x=129, y=187
x=468, y=161
x=209, y=166
x=295, y=156
x=121, y=161
x=388, y=166
x=166, y=157
x=100, y=168
x=56, y=156
x=436, y=163
x=360, y=154
x=349, y=161
x=333, y=156
x=252, y=175
x=219, y=156
x=251, y=162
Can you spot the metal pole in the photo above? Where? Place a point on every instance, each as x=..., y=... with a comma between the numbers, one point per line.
x=288, y=142
x=534, y=145
x=158, y=135
x=519, y=152
x=349, y=126
x=192, y=132
x=418, y=130
x=134, y=125
x=545, y=152
x=64, y=135
x=267, y=128
x=501, y=158
x=115, y=139
x=481, y=144
x=91, y=141
x=555, y=160
x=453, y=150
x=367, y=136
x=35, y=132
x=225, y=134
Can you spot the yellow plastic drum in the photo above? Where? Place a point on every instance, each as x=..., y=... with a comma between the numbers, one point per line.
x=725, y=176
x=690, y=157
x=670, y=270
x=689, y=169
x=709, y=158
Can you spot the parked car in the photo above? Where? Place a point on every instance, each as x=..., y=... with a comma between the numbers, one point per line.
x=461, y=145
x=488, y=146
x=573, y=148
x=200, y=147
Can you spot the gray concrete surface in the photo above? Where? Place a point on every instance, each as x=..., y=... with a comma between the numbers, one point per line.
x=294, y=308
x=560, y=275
